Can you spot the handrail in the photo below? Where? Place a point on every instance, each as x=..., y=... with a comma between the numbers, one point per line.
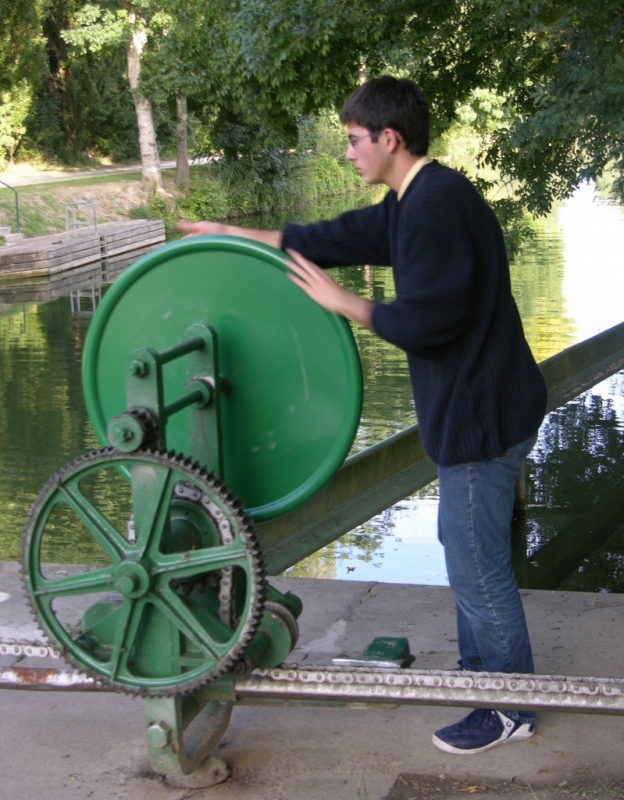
x=75, y=224
x=17, y=214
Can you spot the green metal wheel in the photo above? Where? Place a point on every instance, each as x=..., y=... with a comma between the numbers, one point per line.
x=167, y=585
x=292, y=383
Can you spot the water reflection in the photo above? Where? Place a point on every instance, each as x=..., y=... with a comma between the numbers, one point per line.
x=43, y=422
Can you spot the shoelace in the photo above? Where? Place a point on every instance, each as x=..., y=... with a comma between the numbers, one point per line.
x=479, y=718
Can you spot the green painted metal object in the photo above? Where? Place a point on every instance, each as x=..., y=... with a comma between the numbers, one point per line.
x=291, y=384
x=176, y=597
x=384, y=651
x=206, y=347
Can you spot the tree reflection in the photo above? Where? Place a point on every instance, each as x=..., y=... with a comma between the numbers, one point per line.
x=575, y=496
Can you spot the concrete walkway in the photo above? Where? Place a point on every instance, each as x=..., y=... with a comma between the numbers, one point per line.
x=20, y=175
x=60, y=745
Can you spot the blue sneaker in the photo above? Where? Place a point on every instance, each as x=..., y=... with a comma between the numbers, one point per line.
x=481, y=730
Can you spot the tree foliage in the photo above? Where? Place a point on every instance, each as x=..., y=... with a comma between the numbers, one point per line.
x=21, y=59
x=559, y=65
x=253, y=69
x=569, y=122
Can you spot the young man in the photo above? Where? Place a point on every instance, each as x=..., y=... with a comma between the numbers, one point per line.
x=480, y=397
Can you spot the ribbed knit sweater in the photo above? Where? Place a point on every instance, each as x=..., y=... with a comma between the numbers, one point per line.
x=477, y=388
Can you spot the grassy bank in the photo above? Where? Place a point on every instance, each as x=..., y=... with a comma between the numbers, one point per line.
x=220, y=190
x=42, y=206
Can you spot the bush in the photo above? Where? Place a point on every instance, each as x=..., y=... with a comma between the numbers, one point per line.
x=266, y=178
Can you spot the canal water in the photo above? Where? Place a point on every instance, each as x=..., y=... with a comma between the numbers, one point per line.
x=568, y=282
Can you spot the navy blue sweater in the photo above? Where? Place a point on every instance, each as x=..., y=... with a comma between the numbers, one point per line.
x=477, y=388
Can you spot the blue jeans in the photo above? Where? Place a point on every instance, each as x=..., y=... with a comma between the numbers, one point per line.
x=474, y=526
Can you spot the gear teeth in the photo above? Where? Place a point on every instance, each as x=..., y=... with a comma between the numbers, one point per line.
x=243, y=526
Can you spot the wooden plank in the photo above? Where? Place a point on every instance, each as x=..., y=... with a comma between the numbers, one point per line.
x=70, y=258
x=151, y=243
x=50, y=252
x=133, y=236
x=67, y=251
x=32, y=273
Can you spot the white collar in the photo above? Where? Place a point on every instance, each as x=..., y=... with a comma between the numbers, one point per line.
x=415, y=169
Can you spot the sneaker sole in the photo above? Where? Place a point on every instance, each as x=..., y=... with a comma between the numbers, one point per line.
x=519, y=736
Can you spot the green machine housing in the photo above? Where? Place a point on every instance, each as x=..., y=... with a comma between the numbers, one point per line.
x=221, y=396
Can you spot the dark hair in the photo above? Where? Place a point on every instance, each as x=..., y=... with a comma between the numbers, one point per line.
x=388, y=102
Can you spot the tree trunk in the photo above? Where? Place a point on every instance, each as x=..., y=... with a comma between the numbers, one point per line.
x=183, y=174
x=150, y=161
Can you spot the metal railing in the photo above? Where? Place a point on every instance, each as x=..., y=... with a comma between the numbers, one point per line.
x=17, y=211
x=73, y=223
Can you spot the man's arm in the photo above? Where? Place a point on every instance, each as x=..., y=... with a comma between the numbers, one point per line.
x=327, y=293
x=272, y=238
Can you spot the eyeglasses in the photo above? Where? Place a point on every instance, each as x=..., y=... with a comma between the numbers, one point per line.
x=353, y=140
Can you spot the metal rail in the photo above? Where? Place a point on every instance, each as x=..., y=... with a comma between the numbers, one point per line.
x=17, y=211
x=434, y=687
x=335, y=686
x=72, y=223
x=384, y=474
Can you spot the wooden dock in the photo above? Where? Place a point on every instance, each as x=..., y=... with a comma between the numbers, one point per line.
x=19, y=287
x=45, y=256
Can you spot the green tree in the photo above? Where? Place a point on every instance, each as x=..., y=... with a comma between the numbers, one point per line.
x=21, y=60
x=98, y=27
x=558, y=65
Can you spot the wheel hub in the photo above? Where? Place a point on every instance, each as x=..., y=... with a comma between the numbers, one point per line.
x=132, y=580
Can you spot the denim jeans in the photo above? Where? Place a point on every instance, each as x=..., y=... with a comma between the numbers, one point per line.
x=474, y=526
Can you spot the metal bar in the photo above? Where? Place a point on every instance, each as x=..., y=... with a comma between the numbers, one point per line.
x=179, y=350
x=13, y=647
x=384, y=474
x=420, y=687
x=368, y=686
x=366, y=484
x=576, y=369
x=17, y=212
x=27, y=678
x=183, y=402
x=91, y=213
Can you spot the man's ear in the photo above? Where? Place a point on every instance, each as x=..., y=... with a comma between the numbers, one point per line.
x=391, y=140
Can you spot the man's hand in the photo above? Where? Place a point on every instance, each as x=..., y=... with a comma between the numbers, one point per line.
x=327, y=293
x=202, y=228
x=205, y=228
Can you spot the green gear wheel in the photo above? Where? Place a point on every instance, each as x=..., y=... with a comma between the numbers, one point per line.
x=168, y=637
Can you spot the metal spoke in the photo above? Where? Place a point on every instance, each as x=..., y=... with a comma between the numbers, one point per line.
x=175, y=610
x=90, y=582
x=154, y=486
x=107, y=536
x=129, y=620
x=196, y=562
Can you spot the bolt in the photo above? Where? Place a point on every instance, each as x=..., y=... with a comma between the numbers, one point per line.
x=138, y=368
x=123, y=435
x=127, y=583
x=159, y=734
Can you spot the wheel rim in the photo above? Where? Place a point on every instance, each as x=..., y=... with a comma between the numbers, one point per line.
x=153, y=595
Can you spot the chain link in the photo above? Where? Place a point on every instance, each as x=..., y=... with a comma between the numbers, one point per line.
x=191, y=494
x=13, y=647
